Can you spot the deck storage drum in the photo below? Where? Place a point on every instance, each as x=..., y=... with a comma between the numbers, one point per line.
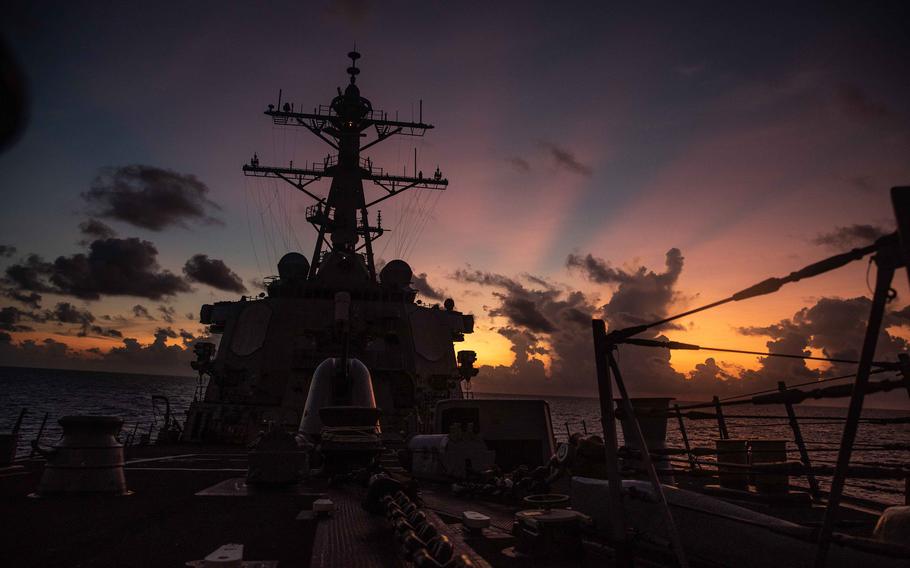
x=768, y=452
x=732, y=462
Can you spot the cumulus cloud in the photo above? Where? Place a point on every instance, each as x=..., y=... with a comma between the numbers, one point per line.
x=565, y=159
x=63, y=314
x=213, y=272
x=42, y=353
x=150, y=198
x=551, y=321
x=29, y=275
x=542, y=319
x=95, y=229
x=66, y=313
x=140, y=311
x=115, y=267
x=30, y=299
x=11, y=318
x=156, y=357
x=850, y=236
x=642, y=295
x=423, y=287
x=167, y=313
x=834, y=326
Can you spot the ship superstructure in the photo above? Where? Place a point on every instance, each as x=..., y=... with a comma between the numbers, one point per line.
x=271, y=345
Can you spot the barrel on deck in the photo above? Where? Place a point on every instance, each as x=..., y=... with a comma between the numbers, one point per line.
x=732, y=462
x=89, y=459
x=765, y=452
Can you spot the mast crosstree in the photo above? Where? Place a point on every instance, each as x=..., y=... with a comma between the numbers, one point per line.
x=342, y=218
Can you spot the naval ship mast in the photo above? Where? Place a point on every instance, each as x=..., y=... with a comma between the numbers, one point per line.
x=337, y=306
x=342, y=219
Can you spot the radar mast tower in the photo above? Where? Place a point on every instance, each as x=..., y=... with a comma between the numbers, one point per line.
x=341, y=218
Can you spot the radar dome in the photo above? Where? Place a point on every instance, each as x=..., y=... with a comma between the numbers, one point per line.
x=396, y=274
x=293, y=266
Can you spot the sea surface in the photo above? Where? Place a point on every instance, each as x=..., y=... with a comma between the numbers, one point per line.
x=60, y=393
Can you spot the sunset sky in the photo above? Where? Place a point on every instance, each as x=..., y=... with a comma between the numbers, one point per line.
x=690, y=152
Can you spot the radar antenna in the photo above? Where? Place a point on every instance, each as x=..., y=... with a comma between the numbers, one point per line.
x=341, y=218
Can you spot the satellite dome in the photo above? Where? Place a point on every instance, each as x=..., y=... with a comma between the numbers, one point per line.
x=293, y=266
x=396, y=274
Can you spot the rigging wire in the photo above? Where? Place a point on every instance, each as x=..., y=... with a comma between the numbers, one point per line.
x=747, y=397
x=693, y=347
x=793, y=386
x=434, y=201
x=249, y=225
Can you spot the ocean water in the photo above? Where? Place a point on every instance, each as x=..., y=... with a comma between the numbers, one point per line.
x=59, y=393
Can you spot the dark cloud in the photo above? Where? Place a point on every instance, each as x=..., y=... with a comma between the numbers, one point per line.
x=156, y=357
x=30, y=299
x=30, y=274
x=518, y=304
x=565, y=159
x=856, y=103
x=150, y=198
x=834, y=326
x=709, y=375
x=114, y=267
x=420, y=283
x=105, y=331
x=10, y=318
x=213, y=272
x=166, y=332
x=519, y=164
x=553, y=321
x=642, y=295
x=850, y=236
x=96, y=229
x=44, y=353
x=167, y=313
x=597, y=270
x=7, y=251
x=140, y=311
x=523, y=312
x=66, y=313
x=542, y=320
